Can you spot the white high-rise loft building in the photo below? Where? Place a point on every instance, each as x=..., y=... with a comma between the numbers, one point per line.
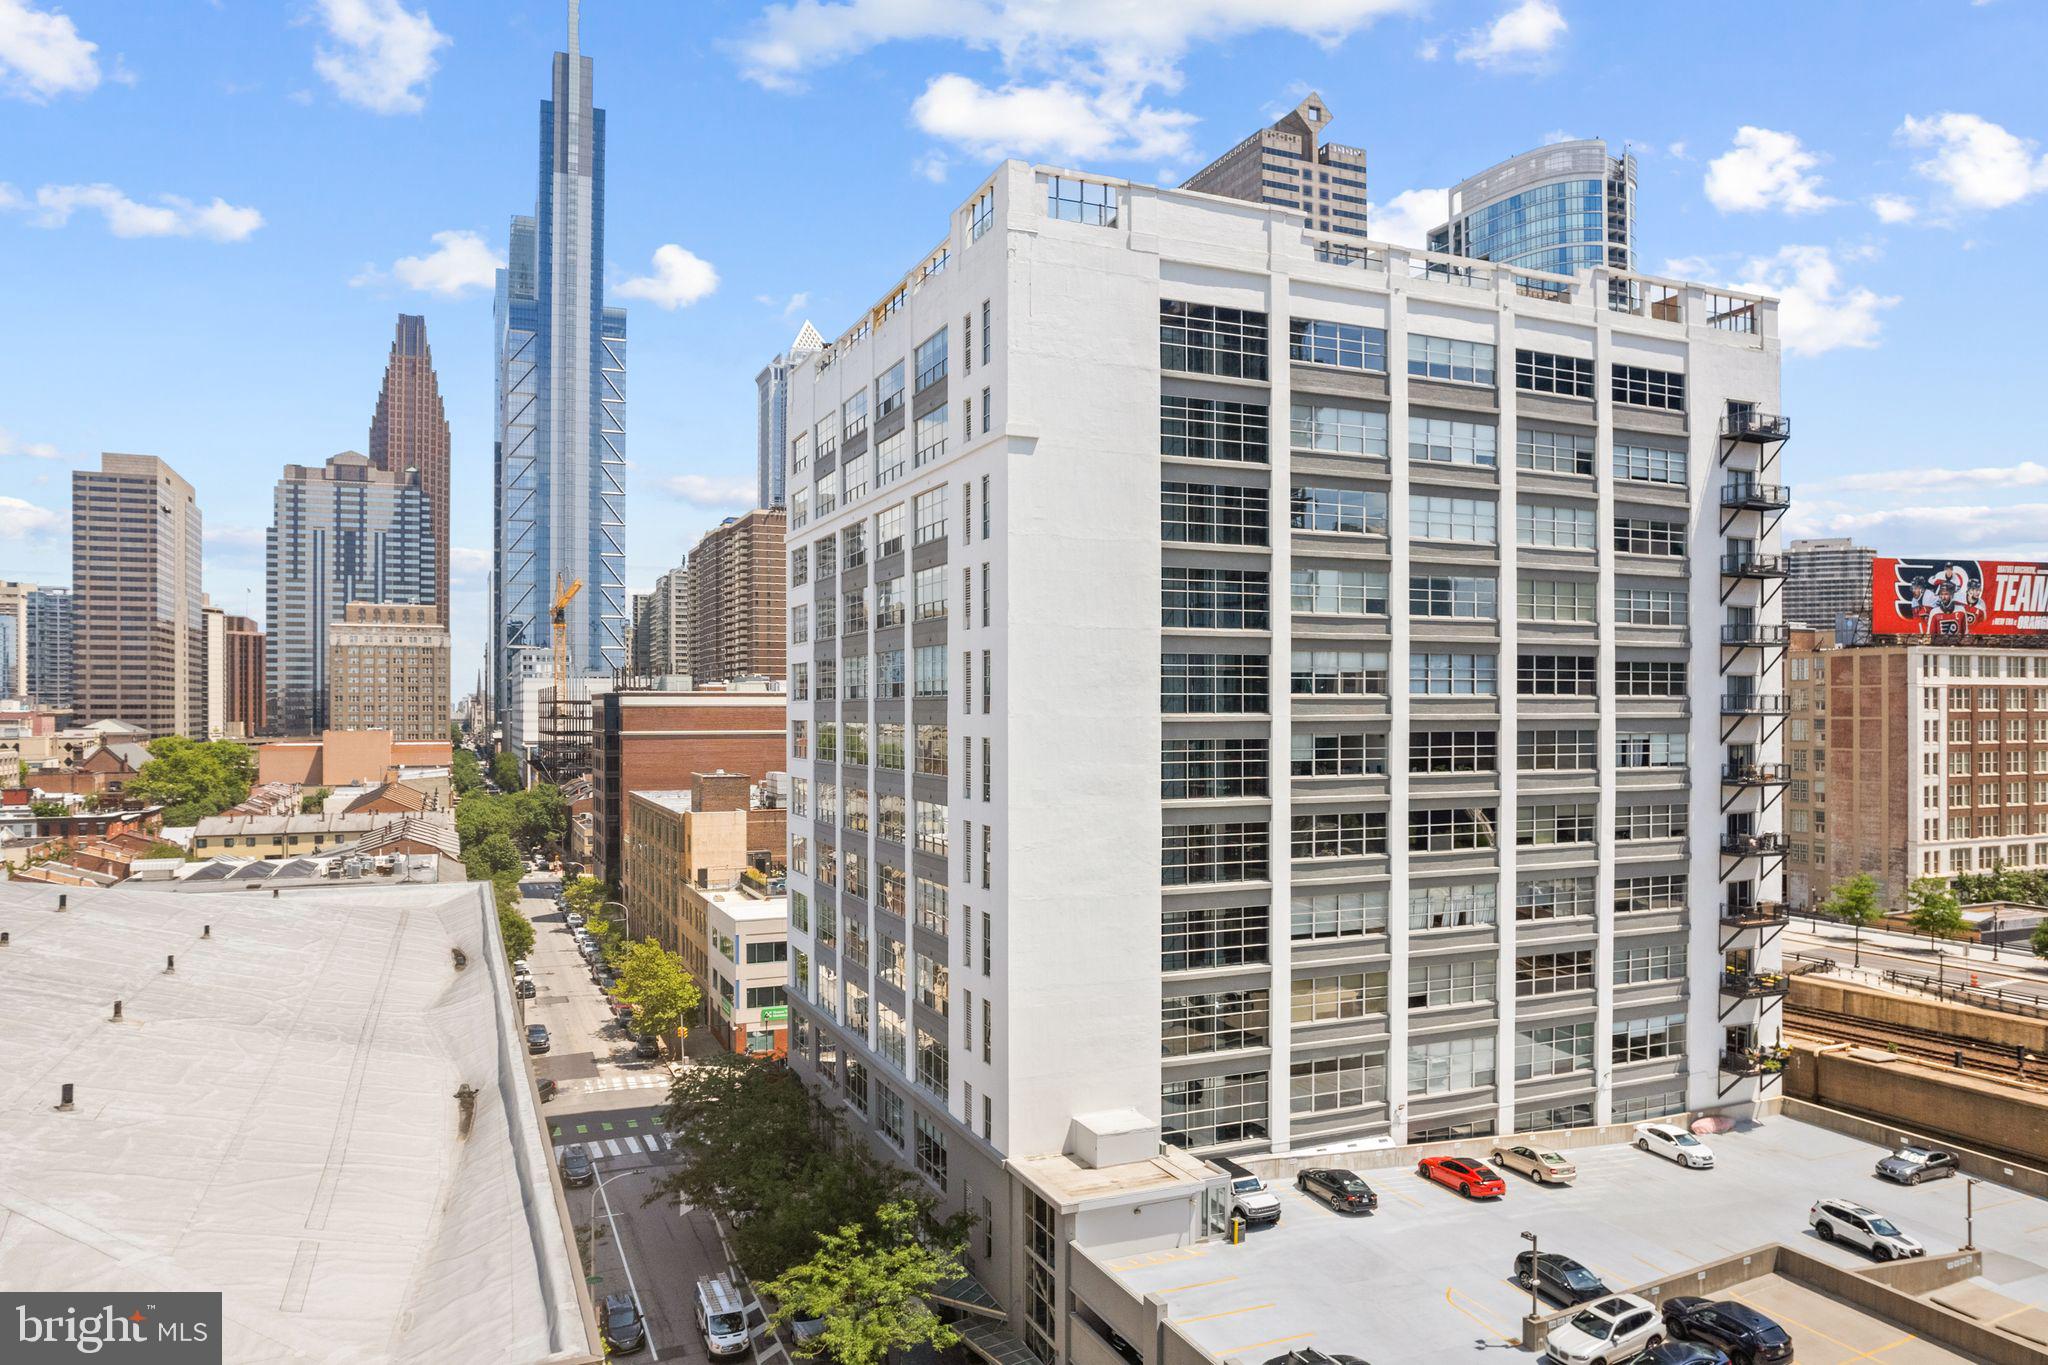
x=1259, y=690
x=771, y=418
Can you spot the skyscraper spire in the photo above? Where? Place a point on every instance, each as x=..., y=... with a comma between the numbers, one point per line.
x=575, y=24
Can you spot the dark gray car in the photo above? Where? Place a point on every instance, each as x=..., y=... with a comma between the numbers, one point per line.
x=577, y=1168
x=1911, y=1165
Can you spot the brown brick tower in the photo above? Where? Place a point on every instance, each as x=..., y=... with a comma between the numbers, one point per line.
x=410, y=431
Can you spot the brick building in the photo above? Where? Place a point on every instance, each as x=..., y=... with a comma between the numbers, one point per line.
x=738, y=600
x=344, y=758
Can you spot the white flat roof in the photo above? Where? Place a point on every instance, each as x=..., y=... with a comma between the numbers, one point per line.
x=277, y=1120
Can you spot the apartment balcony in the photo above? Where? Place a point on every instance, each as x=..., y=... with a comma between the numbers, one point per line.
x=1752, y=845
x=1740, y=985
x=1756, y=635
x=1752, y=566
x=1757, y=915
x=1756, y=1061
x=1746, y=496
x=1760, y=428
x=1755, y=774
x=1755, y=704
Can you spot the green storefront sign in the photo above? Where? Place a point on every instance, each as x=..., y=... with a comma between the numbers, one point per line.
x=775, y=1014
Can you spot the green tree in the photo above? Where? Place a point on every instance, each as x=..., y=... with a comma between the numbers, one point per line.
x=466, y=774
x=23, y=767
x=653, y=981
x=868, y=1285
x=48, y=809
x=315, y=801
x=583, y=895
x=513, y=927
x=540, y=816
x=505, y=771
x=162, y=849
x=1933, y=909
x=1855, y=901
x=189, y=775
x=454, y=735
x=493, y=858
x=2040, y=939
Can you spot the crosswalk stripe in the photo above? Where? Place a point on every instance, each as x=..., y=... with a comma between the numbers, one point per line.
x=613, y=1145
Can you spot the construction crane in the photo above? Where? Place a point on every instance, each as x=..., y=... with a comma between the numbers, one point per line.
x=558, y=615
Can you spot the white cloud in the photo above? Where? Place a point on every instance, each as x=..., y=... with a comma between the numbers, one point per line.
x=42, y=56
x=1522, y=36
x=701, y=491
x=1677, y=151
x=1765, y=169
x=21, y=520
x=170, y=216
x=788, y=307
x=382, y=56
x=10, y=444
x=1405, y=220
x=464, y=561
x=2011, y=528
x=1893, y=208
x=1816, y=313
x=460, y=261
x=234, y=539
x=1982, y=165
x=680, y=278
x=1925, y=481
x=1057, y=120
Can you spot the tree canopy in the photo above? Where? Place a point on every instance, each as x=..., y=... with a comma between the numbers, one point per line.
x=1855, y=900
x=505, y=771
x=492, y=857
x=466, y=773
x=653, y=981
x=867, y=1282
x=534, y=818
x=1934, y=910
x=194, y=778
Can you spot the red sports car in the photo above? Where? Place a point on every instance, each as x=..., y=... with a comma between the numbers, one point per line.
x=1473, y=1179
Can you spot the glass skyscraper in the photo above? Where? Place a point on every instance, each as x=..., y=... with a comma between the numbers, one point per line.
x=560, y=448
x=1563, y=208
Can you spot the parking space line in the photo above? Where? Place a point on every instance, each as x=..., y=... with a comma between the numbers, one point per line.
x=1491, y=1330
x=1229, y=1351
x=1159, y=1258
x=1226, y=1313
x=1874, y=1354
x=1198, y=1284
x=1787, y=1318
x=1405, y=1198
x=1660, y=1269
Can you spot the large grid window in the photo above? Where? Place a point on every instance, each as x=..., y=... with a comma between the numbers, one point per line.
x=1208, y=769
x=1648, y=962
x=1229, y=851
x=1645, y=388
x=1453, y=596
x=1649, y=606
x=1324, y=916
x=1553, y=452
x=1558, y=751
x=931, y=1141
x=1206, y=429
x=1455, y=829
x=1649, y=536
x=1325, y=1085
x=1555, y=526
x=1650, y=749
x=1213, y=684
x=1213, y=599
x=1219, y=1021
x=1636, y=1108
x=1643, y=894
x=1348, y=511
x=1342, y=755
x=1339, y=592
x=1337, y=429
x=1650, y=822
x=1557, y=675
x=929, y=514
x=1209, y=1111
x=853, y=417
x=1453, y=675
x=1555, y=898
x=1442, y=440
x=1554, y=1118
x=1553, y=1050
x=1571, y=823
x=931, y=828
x=1337, y=673
x=931, y=436
x=1471, y=520
x=1441, y=1067
x=1339, y=834
x=1198, y=338
x=928, y=593
x=1450, y=983
x=1079, y=201
x=931, y=359
x=1544, y=372
x=1339, y=995
x=1342, y=344
x=889, y=390
x=1554, y=973
x=1649, y=464
x=1570, y=600
x=1649, y=678
x=1466, y=362
x=1457, y=905
x=1212, y=936
x=889, y=528
x=1453, y=751
x=931, y=670
x=1647, y=1040
x=1212, y=514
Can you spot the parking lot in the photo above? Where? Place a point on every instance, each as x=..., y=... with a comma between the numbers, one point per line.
x=1429, y=1277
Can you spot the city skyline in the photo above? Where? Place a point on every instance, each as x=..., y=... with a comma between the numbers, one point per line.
x=1878, y=216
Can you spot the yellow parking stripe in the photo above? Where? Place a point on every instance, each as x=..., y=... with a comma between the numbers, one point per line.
x=1269, y=1341
x=1491, y=1330
x=1198, y=1284
x=1159, y=1258
x=1226, y=1313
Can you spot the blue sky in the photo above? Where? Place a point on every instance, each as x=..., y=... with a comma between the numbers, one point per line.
x=211, y=210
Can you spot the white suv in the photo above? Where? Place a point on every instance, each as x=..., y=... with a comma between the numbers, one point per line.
x=1673, y=1143
x=1605, y=1332
x=1838, y=1220
x=1249, y=1197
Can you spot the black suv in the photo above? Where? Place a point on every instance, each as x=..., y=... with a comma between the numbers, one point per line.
x=624, y=1329
x=1559, y=1278
x=537, y=1038
x=576, y=1165
x=1308, y=1355
x=1342, y=1190
x=1746, y=1335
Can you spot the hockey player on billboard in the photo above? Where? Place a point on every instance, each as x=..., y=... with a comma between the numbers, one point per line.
x=1945, y=603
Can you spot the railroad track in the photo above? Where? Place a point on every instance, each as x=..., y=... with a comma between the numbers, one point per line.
x=1983, y=1060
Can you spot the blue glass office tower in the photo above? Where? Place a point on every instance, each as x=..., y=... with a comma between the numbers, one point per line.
x=560, y=467
x=1563, y=208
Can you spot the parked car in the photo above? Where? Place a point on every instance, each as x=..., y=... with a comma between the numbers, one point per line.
x=721, y=1317
x=647, y=1045
x=624, y=1329
x=577, y=1168
x=1249, y=1197
x=1309, y=1355
x=1605, y=1332
x=1838, y=1220
x=1471, y=1178
x=1911, y=1165
x=575, y=919
x=537, y=1038
x=1342, y=1190
x=548, y=1088
x=519, y=967
x=1680, y=1353
x=1747, y=1336
x=1543, y=1167
x=1673, y=1143
x=526, y=989
x=1559, y=1278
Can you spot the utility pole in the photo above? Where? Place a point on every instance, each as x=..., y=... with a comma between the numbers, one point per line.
x=1970, y=1184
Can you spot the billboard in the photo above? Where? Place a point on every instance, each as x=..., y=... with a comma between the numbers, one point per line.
x=1951, y=598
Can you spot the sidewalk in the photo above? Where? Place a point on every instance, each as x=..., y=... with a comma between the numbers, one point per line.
x=2011, y=957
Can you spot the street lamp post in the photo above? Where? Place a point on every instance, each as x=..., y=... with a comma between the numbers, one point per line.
x=623, y=911
x=1535, y=1272
x=1970, y=1184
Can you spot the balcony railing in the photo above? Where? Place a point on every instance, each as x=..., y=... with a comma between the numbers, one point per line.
x=1756, y=497
x=1756, y=634
x=1759, y=915
x=1752, y=845
x=1755, y=774
x=1753, y=566
x=1756, y=426
x=1755, y=704
x=1756, y=1061
x=1741, y=985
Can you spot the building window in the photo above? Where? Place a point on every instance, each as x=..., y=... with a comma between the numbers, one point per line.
x=1080, y=201
x=1327, y=915
x=1197, y=338
x=1213, y=599
x=1646, y=1040
x=889, y=390
x=1543, y=372
x=1575, y=823
x=1335, y=592
x=1341, y=344
x=1554, y=898
x=1557, y=675
x=1553, y=1050
x=1465, y=362
x=1344, y=511
x=1649, y=962
x=1452, y=597
x=1656, y=893
x=1554, y=526
x=1326, y=1085
x=1650, y=749
x=1233, y=851
x=1644, y=388
x=1336, y=672
x=1336, y=429
x=1456, y=829
x=1453, y=751
x=1453, y=675
x=1649, y=536
x=930, y=509
x=981, y=214
x=889, y=461
x=1636, y=1108
x=1214, y=684
x=1650, y=822
x=1212, y=936
x=1208, y=429
x=1650, y=606
x=1439, y=1068
x=1212, y=514
x=1554, y=973
x=1220, y=1022
x=931, y=670
x=1342, y=755
x=1450, y=983
x=853, y=415
x=1649, y=678
x=1211, y=1111
x=1209, y=769
x=1339, y=834
x=1458, y=905
x=1469, y=520
x=931, y=436
x=1553, y=452
x=1444, y=441
x=1341, y=995
x=931, y=1151
x=931, y=359
x=1557, y=599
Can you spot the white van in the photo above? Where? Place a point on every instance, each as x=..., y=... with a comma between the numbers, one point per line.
x=721, y=1317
